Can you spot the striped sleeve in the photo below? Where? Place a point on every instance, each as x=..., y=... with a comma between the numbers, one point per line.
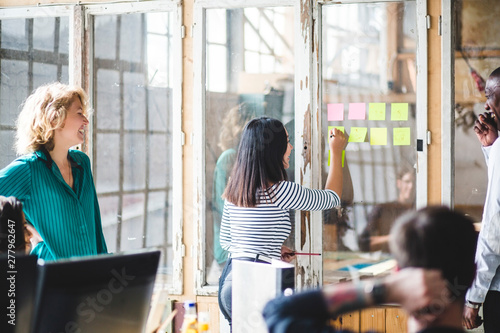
x=15, y=180
x=225, y=228
x=291, y=195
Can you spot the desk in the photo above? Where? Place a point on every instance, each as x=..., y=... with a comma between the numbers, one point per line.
x=342, y=266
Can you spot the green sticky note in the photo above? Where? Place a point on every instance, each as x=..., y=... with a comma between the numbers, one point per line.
x=340, y=128
x=376, y=111
x=378, y=136
x=399, y=111
x=401, y=136
x=343, y=157
x=358, y=134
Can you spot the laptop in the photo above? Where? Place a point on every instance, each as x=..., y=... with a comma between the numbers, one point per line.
x=100, y=294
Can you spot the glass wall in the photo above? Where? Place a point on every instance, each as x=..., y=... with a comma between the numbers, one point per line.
x=369, y=91
x=249, y=73
x=477, y=51
x=33, y=51
x=132, y=131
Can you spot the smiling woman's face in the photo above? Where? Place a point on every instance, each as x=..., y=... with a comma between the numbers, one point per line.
x=73, y=130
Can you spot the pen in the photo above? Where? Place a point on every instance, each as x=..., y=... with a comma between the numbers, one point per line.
x=306, y=254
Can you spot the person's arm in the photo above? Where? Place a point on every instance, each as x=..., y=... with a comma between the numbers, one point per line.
x=414, y=288
x=337, y=141
x=487, y=262
x=487, y=252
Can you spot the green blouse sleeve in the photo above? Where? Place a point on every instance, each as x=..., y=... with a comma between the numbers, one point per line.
x=15, y=180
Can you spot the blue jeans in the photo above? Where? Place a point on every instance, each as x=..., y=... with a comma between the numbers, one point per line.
x=225, y=290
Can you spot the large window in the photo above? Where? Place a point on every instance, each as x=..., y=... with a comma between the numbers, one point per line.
x=369, y=90
x=249, y=72
x=130, y=55
x=132, y=130
x=33, y=51
x=136, y=130
x=253, y=61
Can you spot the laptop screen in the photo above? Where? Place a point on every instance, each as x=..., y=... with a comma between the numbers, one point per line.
x=101, y=294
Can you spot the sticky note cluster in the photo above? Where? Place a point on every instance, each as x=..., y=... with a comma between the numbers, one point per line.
x=376, y=111
x=377, y=136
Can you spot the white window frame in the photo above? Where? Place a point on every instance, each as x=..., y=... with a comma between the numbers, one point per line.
x=79, y=62
x=174, y=6
x=308, y=136
x=448, y=103
x=422, y=132
x=199, y=50
x=49, y=11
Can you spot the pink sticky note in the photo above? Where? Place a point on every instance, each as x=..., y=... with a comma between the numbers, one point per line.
x=357, y=111
x=335, y=111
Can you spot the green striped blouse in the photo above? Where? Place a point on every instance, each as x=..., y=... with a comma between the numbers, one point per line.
x=68, y=221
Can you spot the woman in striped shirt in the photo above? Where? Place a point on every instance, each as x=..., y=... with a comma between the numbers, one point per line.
x=258, y=197
x=54, y=182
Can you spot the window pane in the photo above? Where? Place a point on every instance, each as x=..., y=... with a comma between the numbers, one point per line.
x=26, y=63
x=15, y=34
x=251, y=88
x=472, y=49
x=43, y=33
x=369, y=88
x=132, y=128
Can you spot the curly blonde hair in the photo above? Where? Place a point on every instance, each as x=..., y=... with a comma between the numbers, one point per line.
x=43, y=112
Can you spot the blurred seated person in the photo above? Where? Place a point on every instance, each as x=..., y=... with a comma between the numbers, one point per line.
x=428, y=245
x=375, y=236
x=14, y=230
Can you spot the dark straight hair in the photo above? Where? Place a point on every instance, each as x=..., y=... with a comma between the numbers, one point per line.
x=259, y=163
x=437, y=237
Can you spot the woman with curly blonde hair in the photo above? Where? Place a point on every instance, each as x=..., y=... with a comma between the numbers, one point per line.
x=53, y=181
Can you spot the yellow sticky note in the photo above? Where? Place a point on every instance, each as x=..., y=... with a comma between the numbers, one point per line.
x=330, y=154
x=376, y=111
x=340, y=128
x=401, y=136
x=358, y=134
x=399, y=111
x=378, y=136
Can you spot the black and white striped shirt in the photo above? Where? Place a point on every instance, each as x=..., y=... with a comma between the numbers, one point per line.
x=263, y=229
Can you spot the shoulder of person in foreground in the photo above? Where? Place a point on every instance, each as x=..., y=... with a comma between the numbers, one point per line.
x=302, y=312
